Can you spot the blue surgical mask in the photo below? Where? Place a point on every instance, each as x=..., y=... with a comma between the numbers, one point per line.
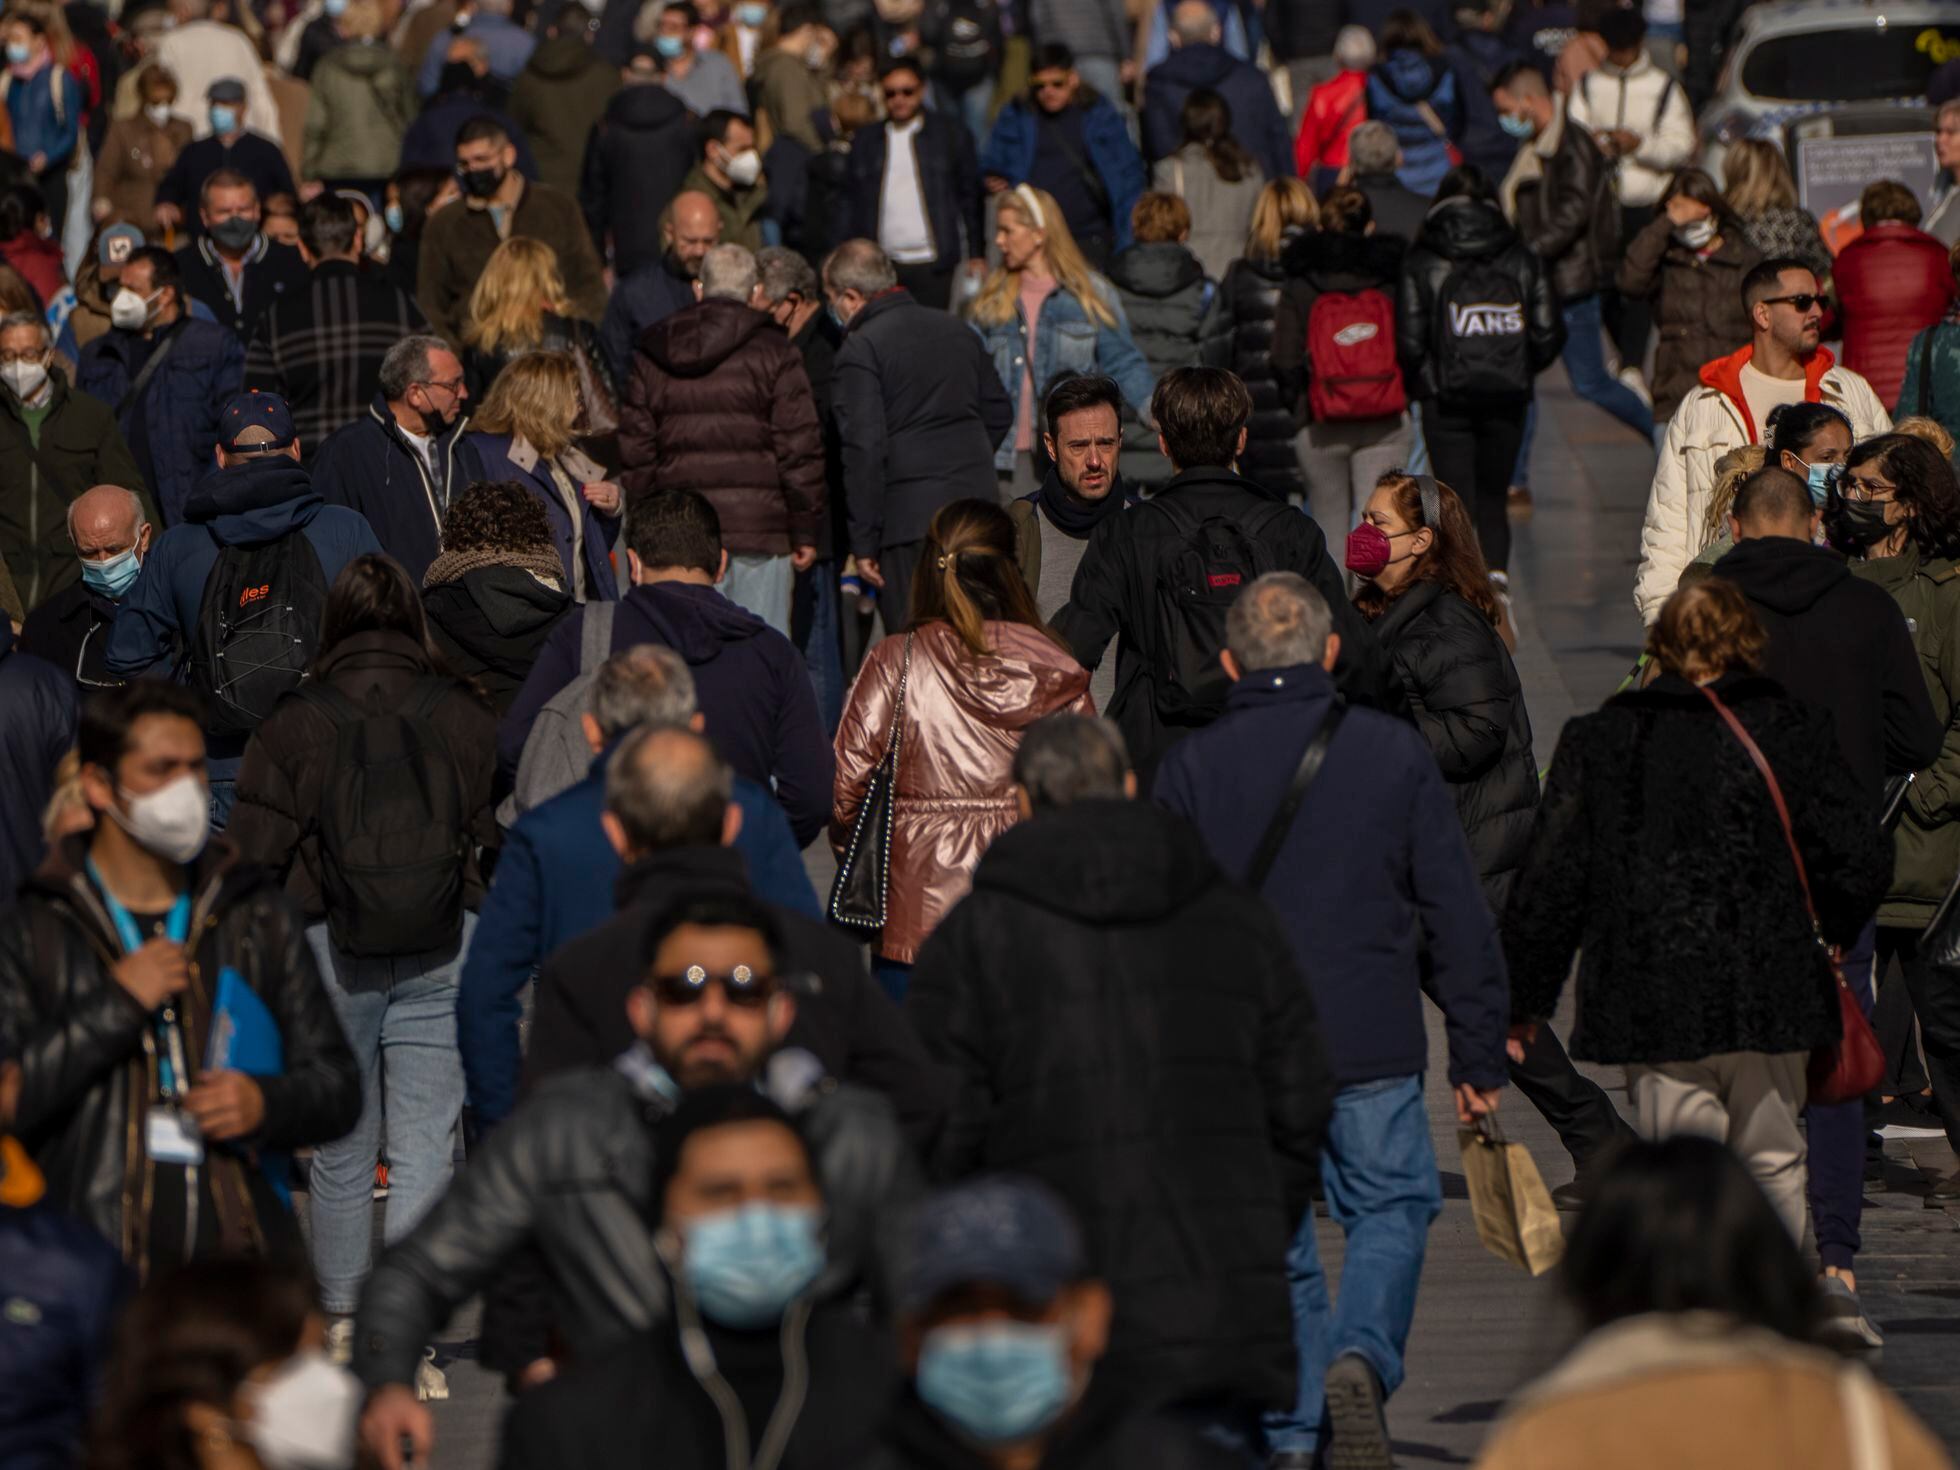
x=670, y=46
x=835, y=319
x=1517, y=127
x=224, y=119
x=751, y=16
x=19, y=52
x=112, y=577
x=392, y=214
x=745, y=1266
x=997, y=1382
x=1820, y=478
x=336, y=8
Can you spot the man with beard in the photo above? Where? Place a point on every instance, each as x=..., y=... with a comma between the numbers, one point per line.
x=655, y=291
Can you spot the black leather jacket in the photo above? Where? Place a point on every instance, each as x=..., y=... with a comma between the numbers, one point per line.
x=571, y=1173
x=1570, y=217
x=1467, y=229
x=88, y=1053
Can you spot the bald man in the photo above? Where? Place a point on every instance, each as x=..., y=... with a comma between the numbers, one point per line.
x=71, y=629
x=1198, y=59
x=689, y=229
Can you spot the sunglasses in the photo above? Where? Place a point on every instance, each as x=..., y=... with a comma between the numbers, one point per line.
x=1053, y=84
x=892, y=94
x=741, y=986
x=1803, y=301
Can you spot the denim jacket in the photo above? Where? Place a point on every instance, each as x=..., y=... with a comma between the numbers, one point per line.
x=1066, y=340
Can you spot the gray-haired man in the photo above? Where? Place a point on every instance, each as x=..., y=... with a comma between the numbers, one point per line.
x=112, y=533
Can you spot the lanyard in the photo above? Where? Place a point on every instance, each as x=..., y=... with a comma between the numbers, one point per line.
x=171, y=1070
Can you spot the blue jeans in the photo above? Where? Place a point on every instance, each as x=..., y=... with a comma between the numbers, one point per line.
x=1837, y=1131
x=760, y=584
x=893, y=976
x=1585, y=364
x=1379, y=1172
x=400, y=1012
x=815, y=631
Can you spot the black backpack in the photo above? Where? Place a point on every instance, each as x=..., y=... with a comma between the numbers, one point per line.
x=1481, y=352
x=258, y=628
x=392, y=825
x=1199, y=577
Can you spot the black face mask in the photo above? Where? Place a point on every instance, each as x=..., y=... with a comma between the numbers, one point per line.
x=1856, y=525
x=457, y=76
x=436, y=422
x=480, y=183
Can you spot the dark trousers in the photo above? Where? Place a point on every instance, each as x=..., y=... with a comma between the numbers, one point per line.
x=1473, y=451
x=1837, y=1140
x=1935, y=995
x=930, y=282
x=1630, y=319
x=898, y=565
x=1579, y=1110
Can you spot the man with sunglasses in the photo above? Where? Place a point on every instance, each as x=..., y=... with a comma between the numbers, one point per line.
x=1784, y=362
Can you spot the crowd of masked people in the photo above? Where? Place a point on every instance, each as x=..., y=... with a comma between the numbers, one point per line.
x=494, y=497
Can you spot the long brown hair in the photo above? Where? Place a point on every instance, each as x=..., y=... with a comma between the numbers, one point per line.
x=968, y=576
x=1454, y=559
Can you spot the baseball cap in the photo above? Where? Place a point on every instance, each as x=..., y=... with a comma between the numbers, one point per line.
x=1003, y=1230
x=226, y=89
x=254, y=422
x=116, y=245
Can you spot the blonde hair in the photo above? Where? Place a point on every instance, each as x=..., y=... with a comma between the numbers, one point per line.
x=1002, y=292
x=535, y=398
x=58, y=817
x=363, y=20
x=1758, y=178
x=518, y=286
x=1283, y=202
x=1931, y=430
x=1730, y=471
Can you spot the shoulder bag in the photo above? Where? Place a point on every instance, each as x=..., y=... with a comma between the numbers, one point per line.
x=857, y=896
x=1282, y=823
x=1854, y=1064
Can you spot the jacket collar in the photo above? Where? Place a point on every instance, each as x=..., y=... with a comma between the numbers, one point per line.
x=380, y=648
x=208, y=251
x=889, y=299
x=1295, y=684
x=1405, y=610
x=1217, y=475
x=711, y=870
x=63, y=875
x=1724, y=375
x=1672, y=692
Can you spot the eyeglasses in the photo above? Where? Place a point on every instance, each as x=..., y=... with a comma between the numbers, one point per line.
x=1854, y=488
x=893, y=94
x=741, y=986
x=1802, y=301
x=39, y=354
x=448, y=385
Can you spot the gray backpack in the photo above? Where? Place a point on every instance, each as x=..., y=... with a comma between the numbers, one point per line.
x=556, y=757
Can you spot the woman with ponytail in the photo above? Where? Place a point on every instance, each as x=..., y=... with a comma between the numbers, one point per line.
x=979, y=666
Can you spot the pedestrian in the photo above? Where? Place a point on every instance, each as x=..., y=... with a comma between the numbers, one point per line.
x=1334, y=109
x=1943, y=224
x=111, y=533
x=232, y=266
x=1095, y=915
x=44, y=107
x=1414, y=90
x=28, y=241
x=465, y=91
x=362, y=101
x=729, y=172
x=1715, y=1017
x=1214, y=175
x=225, y=144
x=560, y=97
x=790, y=76
x=1166, y=294
x=37, y=730
x=1401, y=914
x=1892, y=282
x=409, y=198
x=1199, y=62
x=136, y=153
x=650, y=292
x=638, y=152
x=1928, y=390
x=1341, y=285
x=1098, y=37
x=699, y=75
x=518, y=305
x=921, y=412
x=1045, y=311
x=1763, y=194
x=506, y=45
x=1373, y=157
x=977, y=666
x=200, y=50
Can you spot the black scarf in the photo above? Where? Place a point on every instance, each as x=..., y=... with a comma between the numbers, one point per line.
x=1070, y=513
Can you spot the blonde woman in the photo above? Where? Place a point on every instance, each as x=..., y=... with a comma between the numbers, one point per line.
x=524, y=432
x=1043, y=313
x=1238, y=333
x=1764, y=197
x=362, y=102
x=519, y=305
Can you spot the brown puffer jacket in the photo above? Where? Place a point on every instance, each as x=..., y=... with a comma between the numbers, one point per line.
x=964, y=717
x=719, y=402
x=1697, y=304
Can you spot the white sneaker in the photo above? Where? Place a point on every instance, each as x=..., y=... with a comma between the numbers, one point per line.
x=340, y=1340
x=1844, y=1325
x=1635, y=383
x=430, y=1381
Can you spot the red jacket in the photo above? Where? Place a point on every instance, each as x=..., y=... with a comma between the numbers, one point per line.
x=1334, y=109
x=38, y=261
x=1892, y=282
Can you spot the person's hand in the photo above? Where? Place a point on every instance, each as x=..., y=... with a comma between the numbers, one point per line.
x=169, y=216
x=226, y=1105
x=802, y=558
x=603, y=496
x=1681, y=210
x=1127, y=72
x=154, y=973
x=1520, y=1037
x=997, y=185
x=1472, y=1103
x=393, y=1414
x=1623, y=142
x=310, y=190
x=540, y=1372
x=868, y=569
x=38, y=163
x=100, y=209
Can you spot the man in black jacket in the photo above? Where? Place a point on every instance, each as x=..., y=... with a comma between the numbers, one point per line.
x=920, y=412
x=1103, y=917
x=70, y=630
x=634, y=164
x=1191, y=547
x=232, y=266
x=689, y=228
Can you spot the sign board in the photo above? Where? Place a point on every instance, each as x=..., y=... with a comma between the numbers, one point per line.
x=1833, y=172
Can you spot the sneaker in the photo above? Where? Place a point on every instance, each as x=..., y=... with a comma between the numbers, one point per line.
x=381, y=1180
x=340, y=1341
x=1909, y=1117
x=1945, y=1192
x=1354, y=1412
x=1842, y=1324
x=430, y=1381
x=1573, y=1196
x=1635, y=383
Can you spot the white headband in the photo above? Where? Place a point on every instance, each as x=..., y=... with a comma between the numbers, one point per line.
x=1033, y=205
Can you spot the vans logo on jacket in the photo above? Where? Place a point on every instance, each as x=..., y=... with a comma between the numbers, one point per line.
x=1487, y=319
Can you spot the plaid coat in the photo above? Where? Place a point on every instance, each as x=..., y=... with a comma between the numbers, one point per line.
x=321, y=348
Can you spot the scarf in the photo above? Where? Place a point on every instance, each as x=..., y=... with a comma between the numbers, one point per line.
x=453, y=566
x=1069, y=513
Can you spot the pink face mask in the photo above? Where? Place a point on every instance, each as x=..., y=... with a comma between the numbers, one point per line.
x=1368, y=549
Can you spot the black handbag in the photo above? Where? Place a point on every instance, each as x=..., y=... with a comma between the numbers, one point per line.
x=857, y=896
x=1939, y=945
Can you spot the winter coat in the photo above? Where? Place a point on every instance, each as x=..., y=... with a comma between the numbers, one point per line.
x=1012, y=146
x=1066, y=340
x=741, y=209
x=363, y=101
x=790, y=95
x=505, y=44
x=271, y=271
x=1420, y=99
x=200, y=52
x=1892, y=282
x=1657, y=856
x=1464, y=694
x=1396, y=209
x=38, y=710
x=1104, y=1430
x=1188, y=1157
x=1315, y=264
x=88, y=1051
x=430, y=141
x=1116, y=596
x=45, y=111
x=1458, y=231
x=1790, y=232
x=1697, y=300
x=558, y=99
x=1256, y=119
x=457, y=244
x=79, y=446
x=948, y=183
x=1645, y=100
x=719, y=404
x=489, y=624
x=751, y=684
x=38, y=262
x=1560, y=196
x=568, y=334
x=1932, y=383
x=175, y=422
x=290, y=762
x=963, y=720
x=1335, y=108
x=1477, y=57
x=1165, y=296
x=920, y=410
x=1399, y=915
x=634, y=165
x=512, y=457
x=652, y=293
x=370, y=467
x=135, y=156
x=1712, y=420
x=1221, y=210
x=259, y=158
x=1238, y=334
x=71, y=631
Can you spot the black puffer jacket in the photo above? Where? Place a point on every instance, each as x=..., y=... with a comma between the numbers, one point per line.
x=1187, y=1151
x=1165, y=295
x=1658, y=857
x=1238, y=334
x=85, y=1049
x=1570, y=217
x=634, y=164
x=489, y=624
x=1460, y=230
x=1325, y=261
x=1464, y=695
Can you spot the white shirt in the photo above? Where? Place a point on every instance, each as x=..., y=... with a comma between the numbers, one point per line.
x=903, y=229
x=1763, y=393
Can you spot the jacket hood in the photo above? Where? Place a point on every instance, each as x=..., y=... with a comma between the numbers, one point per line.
x=563, y=57
x=648, y=107
x=1724, y=375
x=1197, y=66
x=378, y=648
x=1103, y=861
x=1156, y=270
x=1027, y=677
x=1783, y=574
x=656, y=876
x=512, y=601
x=254, y=502
x=1375, y=258
x=697, y=339
x=1466, y=229
x=1409, y=74
x=363, y=59
x=696, y=622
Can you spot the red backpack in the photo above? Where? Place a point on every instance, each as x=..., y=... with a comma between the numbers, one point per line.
x=1352, y=372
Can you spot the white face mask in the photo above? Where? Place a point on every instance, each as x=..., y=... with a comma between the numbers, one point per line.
x=173, y=822
x=158, y=113
x=303, y=1416
x=24, y=378
x=129, y=311
x=743, y=168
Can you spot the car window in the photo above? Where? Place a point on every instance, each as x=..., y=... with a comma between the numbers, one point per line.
x=1848, y=65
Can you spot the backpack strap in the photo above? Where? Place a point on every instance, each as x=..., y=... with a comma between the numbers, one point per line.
x=1926, y=370
x=337, y=707
x=1660, y=107
x=595, y=636
x=1311, y=761
x=150, y=365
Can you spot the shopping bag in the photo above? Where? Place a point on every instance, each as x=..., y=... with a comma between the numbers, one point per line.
x=1513, y=1210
